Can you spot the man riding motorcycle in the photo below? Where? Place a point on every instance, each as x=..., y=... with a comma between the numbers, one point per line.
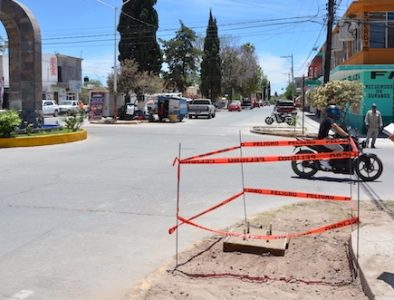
x=332, y=115
x=367, y=166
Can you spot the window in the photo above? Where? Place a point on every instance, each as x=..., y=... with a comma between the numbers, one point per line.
x=59, y=74
x=377, y=30
x=381, y=30
x=390, y=29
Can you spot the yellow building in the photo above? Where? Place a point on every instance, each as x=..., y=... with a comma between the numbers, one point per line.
x=363, y=49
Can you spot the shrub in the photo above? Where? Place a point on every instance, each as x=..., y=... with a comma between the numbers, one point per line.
x=344, y=93
x=74, y=122
x=9, y=120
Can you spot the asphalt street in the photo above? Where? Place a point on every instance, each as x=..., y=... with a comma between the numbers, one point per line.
x=88, y=220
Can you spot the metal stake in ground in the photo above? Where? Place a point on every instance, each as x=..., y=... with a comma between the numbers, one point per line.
x=243, y=183
x=178, y=174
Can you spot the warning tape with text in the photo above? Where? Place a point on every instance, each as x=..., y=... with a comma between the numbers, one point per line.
x=340, y=224
x=260, y=159
x=292, y=194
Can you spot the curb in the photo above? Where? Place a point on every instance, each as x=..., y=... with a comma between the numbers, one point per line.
x=280, y=131
x=364, y=283
x=32, y=141
x=132, y=122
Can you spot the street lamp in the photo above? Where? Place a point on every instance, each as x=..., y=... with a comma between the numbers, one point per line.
x=115, y=8
x=292, y=74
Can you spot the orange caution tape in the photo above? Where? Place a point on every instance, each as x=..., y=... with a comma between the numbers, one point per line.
x=297, y=194
x=213, y=153
x=354, y=146
x=265, y=192
x=295, y=143
x=234, y=160
x=228, y=200
x=318, y=230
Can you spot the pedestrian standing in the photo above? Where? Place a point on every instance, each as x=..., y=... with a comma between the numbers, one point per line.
x=374, y=123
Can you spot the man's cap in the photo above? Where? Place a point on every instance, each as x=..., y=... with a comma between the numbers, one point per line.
x=373, y=105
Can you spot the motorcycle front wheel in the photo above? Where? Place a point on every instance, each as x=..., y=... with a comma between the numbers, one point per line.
x=368, y=168
x=290, y=121
x=304, y=168
x=269, y=120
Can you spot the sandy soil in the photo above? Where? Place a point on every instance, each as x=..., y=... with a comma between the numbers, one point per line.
x=314, y=267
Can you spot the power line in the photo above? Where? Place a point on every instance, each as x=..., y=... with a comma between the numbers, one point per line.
x=131, y=34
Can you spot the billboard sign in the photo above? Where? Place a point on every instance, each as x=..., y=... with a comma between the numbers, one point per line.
x=96, y=105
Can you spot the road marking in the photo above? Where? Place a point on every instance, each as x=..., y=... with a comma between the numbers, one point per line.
x=23, y=294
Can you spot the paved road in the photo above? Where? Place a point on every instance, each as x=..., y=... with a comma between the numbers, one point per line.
x=88, y=220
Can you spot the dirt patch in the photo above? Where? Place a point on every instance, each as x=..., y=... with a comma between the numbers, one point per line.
x=314, y=267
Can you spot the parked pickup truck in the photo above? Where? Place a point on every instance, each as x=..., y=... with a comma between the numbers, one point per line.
x=69, y=107
x=201, y=107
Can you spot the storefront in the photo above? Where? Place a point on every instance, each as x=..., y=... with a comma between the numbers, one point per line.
x=378, y=81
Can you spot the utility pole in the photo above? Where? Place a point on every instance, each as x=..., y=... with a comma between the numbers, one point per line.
x=115, y=66
x=327, y=57
x=292, y=83
x=115, y=8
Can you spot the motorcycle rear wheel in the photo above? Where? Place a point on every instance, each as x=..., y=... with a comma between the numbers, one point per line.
x=269, y=120
x=302, y=167
x=368, y=168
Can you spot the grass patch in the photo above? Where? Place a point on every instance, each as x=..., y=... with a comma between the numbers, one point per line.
x=45, y=132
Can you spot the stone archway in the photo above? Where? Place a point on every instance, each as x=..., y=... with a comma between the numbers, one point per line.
x=24, y=40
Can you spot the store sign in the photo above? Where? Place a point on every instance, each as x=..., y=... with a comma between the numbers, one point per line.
x=53, y=65
x=379, y=90
x=381, y=74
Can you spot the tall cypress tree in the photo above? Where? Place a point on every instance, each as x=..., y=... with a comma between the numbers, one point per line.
x=211, y=69
x=138, y=24
x=182, y=59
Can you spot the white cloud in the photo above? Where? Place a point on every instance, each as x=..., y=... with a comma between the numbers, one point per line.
x=98, y=68
x=276, y=69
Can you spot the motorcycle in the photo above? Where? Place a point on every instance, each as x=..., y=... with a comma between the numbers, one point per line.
x=280, y=118
x=367, y=166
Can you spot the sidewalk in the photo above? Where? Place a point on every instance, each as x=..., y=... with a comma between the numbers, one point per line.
x=372, y=247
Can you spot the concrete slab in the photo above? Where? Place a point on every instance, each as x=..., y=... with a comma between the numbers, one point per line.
x=375, y=259
x=254, y=246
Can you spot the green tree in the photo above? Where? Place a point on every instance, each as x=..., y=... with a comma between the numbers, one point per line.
x=130, y=79
x=242, y=73
x=231, y=63
x=181, y=57
x=251, y=73
x=138, y=24
x=211, y=68
x=290, y=91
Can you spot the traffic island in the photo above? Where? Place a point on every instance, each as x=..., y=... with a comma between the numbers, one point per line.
x=282, y=131
x=43, y=140
x=111, y=121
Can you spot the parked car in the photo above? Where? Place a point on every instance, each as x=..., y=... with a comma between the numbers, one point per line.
x=234, y=106
x=69, y=107
x=285, y=106
x=201, y=107
x=246, y=104
x=50, y=107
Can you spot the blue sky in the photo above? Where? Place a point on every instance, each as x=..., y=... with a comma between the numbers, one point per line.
x=85, y=28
